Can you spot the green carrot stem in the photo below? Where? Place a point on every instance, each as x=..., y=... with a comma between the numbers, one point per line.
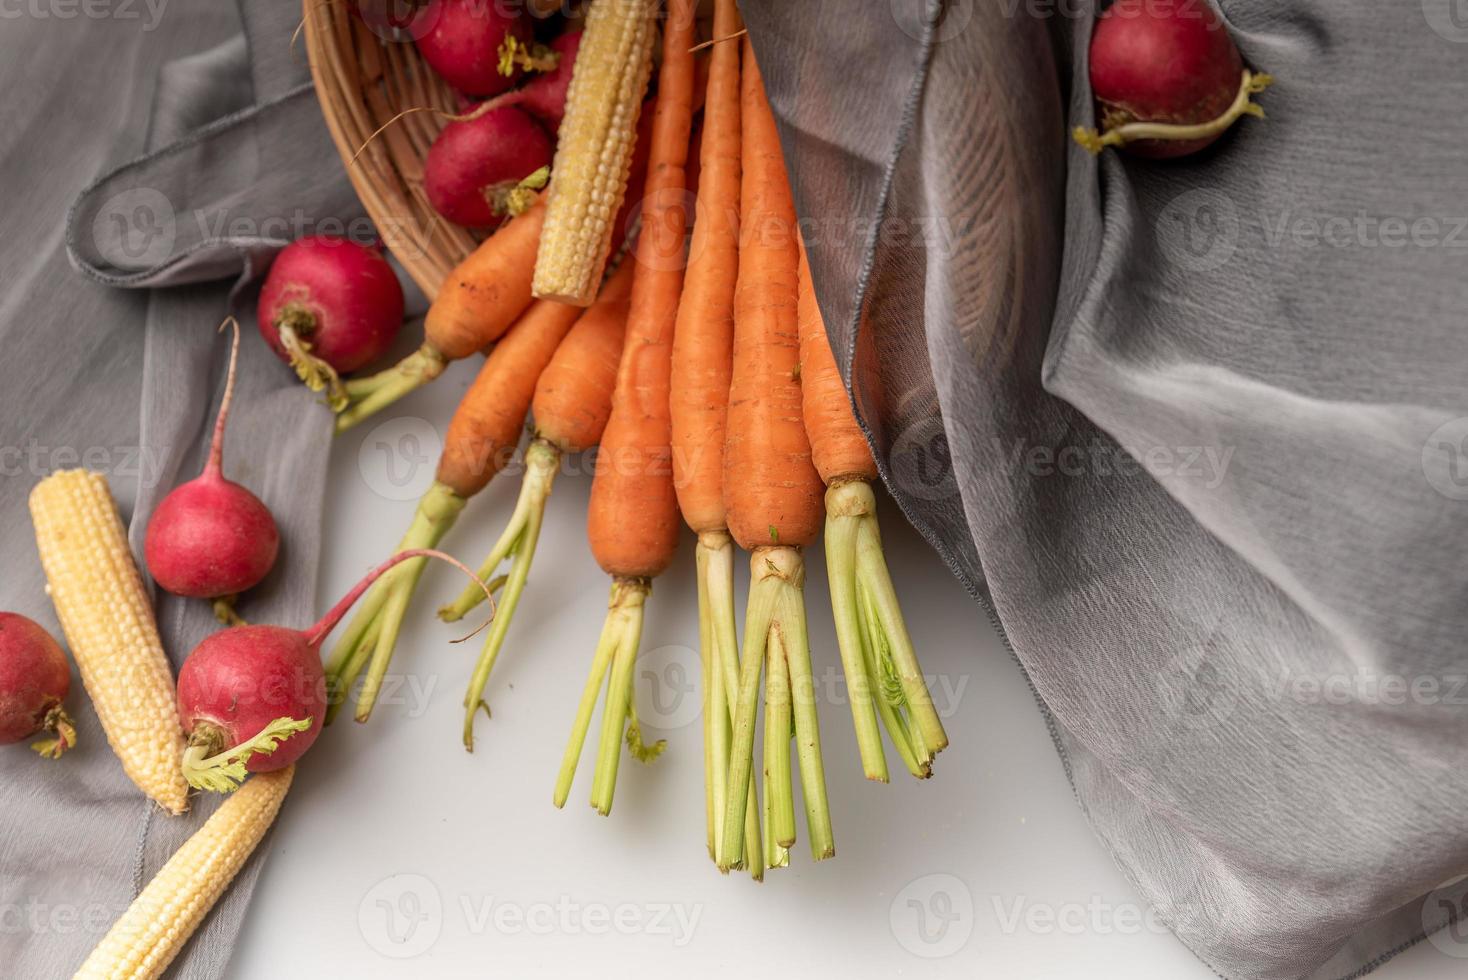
x=372, y=394
x=541, y=462
x=715, y=714
x=888, y=706
x=778, y=727
x=628, y=597
x=872, y=571
x=719, y=573
x=379, y=619
x=796, y=641
x=605, y=647
x=763, y=599
x=774, y=855
x=846, y=507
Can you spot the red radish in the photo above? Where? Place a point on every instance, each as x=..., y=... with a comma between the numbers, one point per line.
x=545, y=95
x=211, y=538
x=34, y=680
x=330, y=306
x=1168, y=79
x=462, y=43
x=254, y=698
x=474, y=167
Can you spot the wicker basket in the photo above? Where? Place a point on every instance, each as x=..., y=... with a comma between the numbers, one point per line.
x=363, y=79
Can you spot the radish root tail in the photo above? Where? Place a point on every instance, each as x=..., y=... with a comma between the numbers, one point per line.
x=1130, y=132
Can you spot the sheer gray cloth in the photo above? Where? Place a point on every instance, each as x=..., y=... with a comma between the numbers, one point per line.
x=1208, y=429
x=207, y=166
x=1191, y=431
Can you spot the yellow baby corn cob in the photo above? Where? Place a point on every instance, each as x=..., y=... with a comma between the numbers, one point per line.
x=109, y=625
x=156, y=925
x=594, y=155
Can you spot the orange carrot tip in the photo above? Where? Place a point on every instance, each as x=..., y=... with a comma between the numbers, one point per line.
x=616, y=654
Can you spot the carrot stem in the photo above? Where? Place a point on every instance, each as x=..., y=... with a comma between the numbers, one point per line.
x=843, y=522
x=763, y=599
x=796, y=639
x=364, y=396
x=778, y=728
x=629, y=595
x=714, y=558
x=873, y=574
x=376, y=625
x=888, y=695
x=616, y=651
x=605, y=647
x=715, y=701
x=519, y=540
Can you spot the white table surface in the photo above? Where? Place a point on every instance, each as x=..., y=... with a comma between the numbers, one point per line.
x=398, y=854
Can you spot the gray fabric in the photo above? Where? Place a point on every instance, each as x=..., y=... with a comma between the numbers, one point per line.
x=1197, y=465
x=127, y=382
x=1031, y=316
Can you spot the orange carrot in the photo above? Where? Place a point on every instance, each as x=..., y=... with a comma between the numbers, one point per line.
x=480, y=440
x=633, y=517
x=488, y=290
x=573, y=398
x=773, y=497
x=486, y=426
x=869, y=626
x=479, y=301
x=837, y=446
x=699, y=402
x=572, y=401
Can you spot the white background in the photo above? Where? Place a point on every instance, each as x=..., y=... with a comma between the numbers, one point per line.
x=399, y=854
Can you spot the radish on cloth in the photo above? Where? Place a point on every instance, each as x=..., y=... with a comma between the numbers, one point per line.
x=211, y=538
x=34, y=680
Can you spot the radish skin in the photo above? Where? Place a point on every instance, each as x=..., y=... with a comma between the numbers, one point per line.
x=474, y=167
x=254, y=698
x=34, y=681
x=1167, y=78
x=211, y=538
x=462, y=41
x=328, y=307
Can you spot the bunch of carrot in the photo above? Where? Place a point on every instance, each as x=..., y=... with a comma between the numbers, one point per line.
x=703, y=371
